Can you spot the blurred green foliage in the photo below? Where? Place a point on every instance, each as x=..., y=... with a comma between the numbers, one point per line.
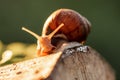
x=103, y=14
x=16, y=52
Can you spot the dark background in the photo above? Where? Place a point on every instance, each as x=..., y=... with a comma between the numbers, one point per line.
x=103, y=14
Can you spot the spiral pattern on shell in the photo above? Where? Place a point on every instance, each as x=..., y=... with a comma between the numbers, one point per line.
x=76, y=27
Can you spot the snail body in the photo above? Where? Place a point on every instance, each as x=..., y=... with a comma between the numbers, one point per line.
x=65, y=22
x=44, y=46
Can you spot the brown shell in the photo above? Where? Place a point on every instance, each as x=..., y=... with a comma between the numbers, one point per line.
x=76, y=27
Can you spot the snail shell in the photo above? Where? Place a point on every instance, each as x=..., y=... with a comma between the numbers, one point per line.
x=76, y=27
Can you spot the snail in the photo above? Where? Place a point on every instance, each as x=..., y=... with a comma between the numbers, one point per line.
x=67, y=23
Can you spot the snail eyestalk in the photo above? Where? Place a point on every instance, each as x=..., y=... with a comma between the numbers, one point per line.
x=32, y=33
x=51, y=34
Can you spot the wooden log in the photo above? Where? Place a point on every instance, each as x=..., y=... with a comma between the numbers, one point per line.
x=83, y=66
x=63, y=65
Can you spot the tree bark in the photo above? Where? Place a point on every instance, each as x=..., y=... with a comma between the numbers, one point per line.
x=78, y=65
